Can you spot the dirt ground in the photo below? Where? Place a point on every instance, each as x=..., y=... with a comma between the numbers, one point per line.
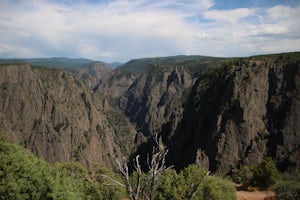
x=257, y=195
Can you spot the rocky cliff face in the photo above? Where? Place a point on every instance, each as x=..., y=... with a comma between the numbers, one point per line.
x=55, y=116
x=152, y=98
x=219, y=116
x=156, y=97
x=240, y=114
x=115, y=84
x=90, y=73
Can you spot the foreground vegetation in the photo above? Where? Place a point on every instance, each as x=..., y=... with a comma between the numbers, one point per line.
x=23, y=176
x=265, y=176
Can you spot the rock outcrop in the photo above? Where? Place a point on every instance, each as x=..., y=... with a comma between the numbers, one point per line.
x=240, y=114
x=54, y=115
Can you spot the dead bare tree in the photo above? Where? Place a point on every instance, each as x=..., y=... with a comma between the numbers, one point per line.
x=156, y=163
x=123, y=167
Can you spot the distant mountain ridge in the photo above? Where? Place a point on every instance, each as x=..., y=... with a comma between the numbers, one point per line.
x=140, y=65
x=57, y=62
x=54, y=62
x=89, y=71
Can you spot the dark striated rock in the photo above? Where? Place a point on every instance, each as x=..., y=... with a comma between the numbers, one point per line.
x=241, y=114
x=156, y=97
x=55, y=116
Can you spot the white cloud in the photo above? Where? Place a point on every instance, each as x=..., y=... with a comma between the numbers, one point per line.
x=232, y=16
x=124, y=29
x=4, y=48
x=253, y=31
x=281, y=12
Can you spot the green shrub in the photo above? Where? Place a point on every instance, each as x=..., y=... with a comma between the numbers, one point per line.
x=171, y=186
x=194, y=181
x=264, y=174
x=288, y=187
x=242, y=176
x=215, y=188
x=23, y=176
x=193, y=178
x=287, y=190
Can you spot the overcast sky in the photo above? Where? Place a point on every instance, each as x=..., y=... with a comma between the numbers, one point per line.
x=120, y=30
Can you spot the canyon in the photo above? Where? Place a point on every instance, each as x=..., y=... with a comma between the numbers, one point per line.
x=220, y=113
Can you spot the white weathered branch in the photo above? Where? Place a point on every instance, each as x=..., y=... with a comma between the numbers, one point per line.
x=156, y=165
x=115, y=182
x=125, y=173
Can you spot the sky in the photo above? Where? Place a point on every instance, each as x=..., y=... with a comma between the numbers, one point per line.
x=120, y=30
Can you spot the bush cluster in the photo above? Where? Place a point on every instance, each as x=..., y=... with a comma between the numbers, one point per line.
x=287, y=186
x=265, y=176
x=262, y=175
x=23, y=176
x=192, y=180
